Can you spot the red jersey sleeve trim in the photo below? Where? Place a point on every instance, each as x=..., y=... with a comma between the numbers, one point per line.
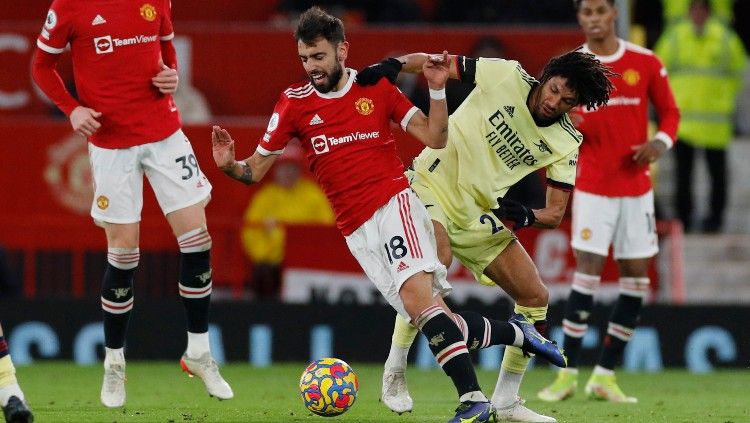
x=408, y=116
x=49, y=49
x=560, y=185
x=267, y=153
x=666, y=139
x=167, y=37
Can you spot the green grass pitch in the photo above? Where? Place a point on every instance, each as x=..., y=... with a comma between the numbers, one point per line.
x=160, y=392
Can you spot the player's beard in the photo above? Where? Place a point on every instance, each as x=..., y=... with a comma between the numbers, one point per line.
x=543, y=121
x=333, y=79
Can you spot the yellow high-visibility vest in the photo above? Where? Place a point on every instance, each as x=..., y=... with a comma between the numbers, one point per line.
x=705, y=72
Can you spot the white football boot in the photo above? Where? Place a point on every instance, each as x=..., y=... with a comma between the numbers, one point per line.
x=205, y=367
x=113, y=386
x=395, y=392
x=517, y=412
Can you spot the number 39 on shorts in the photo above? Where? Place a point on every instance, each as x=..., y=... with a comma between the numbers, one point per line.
x=189, y=166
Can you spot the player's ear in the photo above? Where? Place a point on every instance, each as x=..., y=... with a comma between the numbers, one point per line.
x=343, y=50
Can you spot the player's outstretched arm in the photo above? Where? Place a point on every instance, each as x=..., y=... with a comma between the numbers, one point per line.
x=247, y=171
x=391, y=67
x=414, y=63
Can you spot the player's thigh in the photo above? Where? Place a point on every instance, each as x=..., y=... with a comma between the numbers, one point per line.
x=477, y=243
x=635, y=236
x=595, y=218
x=118, y=185
x=396, y=243
x=175, y=176
x=187, y=219
x=121, y=235
x=515, y=272
x=634, y=268
x=589, y=263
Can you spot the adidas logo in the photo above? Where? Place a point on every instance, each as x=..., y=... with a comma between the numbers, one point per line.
x=98, y=20
x=316, y=120
x=402, y=266
x=510, y=110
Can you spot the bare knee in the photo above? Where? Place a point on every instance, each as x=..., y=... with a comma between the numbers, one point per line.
x=589, y=263
x=535, y=295
x=416, y=294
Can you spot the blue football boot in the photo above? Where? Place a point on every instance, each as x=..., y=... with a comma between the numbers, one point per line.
x=474, y=412
x=535, y=343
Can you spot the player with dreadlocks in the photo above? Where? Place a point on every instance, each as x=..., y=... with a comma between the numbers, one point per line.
x=509, y=126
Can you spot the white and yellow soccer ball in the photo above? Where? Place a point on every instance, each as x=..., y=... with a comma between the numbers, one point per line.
x=328, y=387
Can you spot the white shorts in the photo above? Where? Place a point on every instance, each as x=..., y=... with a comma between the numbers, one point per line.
x=170, y=166
x=628, y=223
x=397, y=242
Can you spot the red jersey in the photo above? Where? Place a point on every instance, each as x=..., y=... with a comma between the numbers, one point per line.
x=348, y=142
x=116, y=51
x=605, y=162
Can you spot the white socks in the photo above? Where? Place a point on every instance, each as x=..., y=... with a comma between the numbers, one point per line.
x=114, y=355
x=197, y=344
x=476, y=396
x=397, y=358
x=506, y=388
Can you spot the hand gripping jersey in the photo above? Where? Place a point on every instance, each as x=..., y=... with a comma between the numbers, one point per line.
x=116, y=50
x=606, y=166
x=348, y=142
x=493, y=142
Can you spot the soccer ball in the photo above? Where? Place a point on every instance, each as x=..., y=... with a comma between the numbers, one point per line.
x=328, y=387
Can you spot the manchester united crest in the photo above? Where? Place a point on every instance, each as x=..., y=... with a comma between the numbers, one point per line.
x=102, y=202
x=148, y=12
x=631, y=77
x=364, y=106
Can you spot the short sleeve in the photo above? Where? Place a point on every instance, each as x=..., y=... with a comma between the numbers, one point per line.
x=58, y=27
x=490, y=72
x=166, y=31
x=401, y=108
x=562, y=173
x=466, y=67
x=280, y=129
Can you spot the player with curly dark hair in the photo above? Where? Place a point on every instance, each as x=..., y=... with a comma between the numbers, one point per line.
x=509, y=126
